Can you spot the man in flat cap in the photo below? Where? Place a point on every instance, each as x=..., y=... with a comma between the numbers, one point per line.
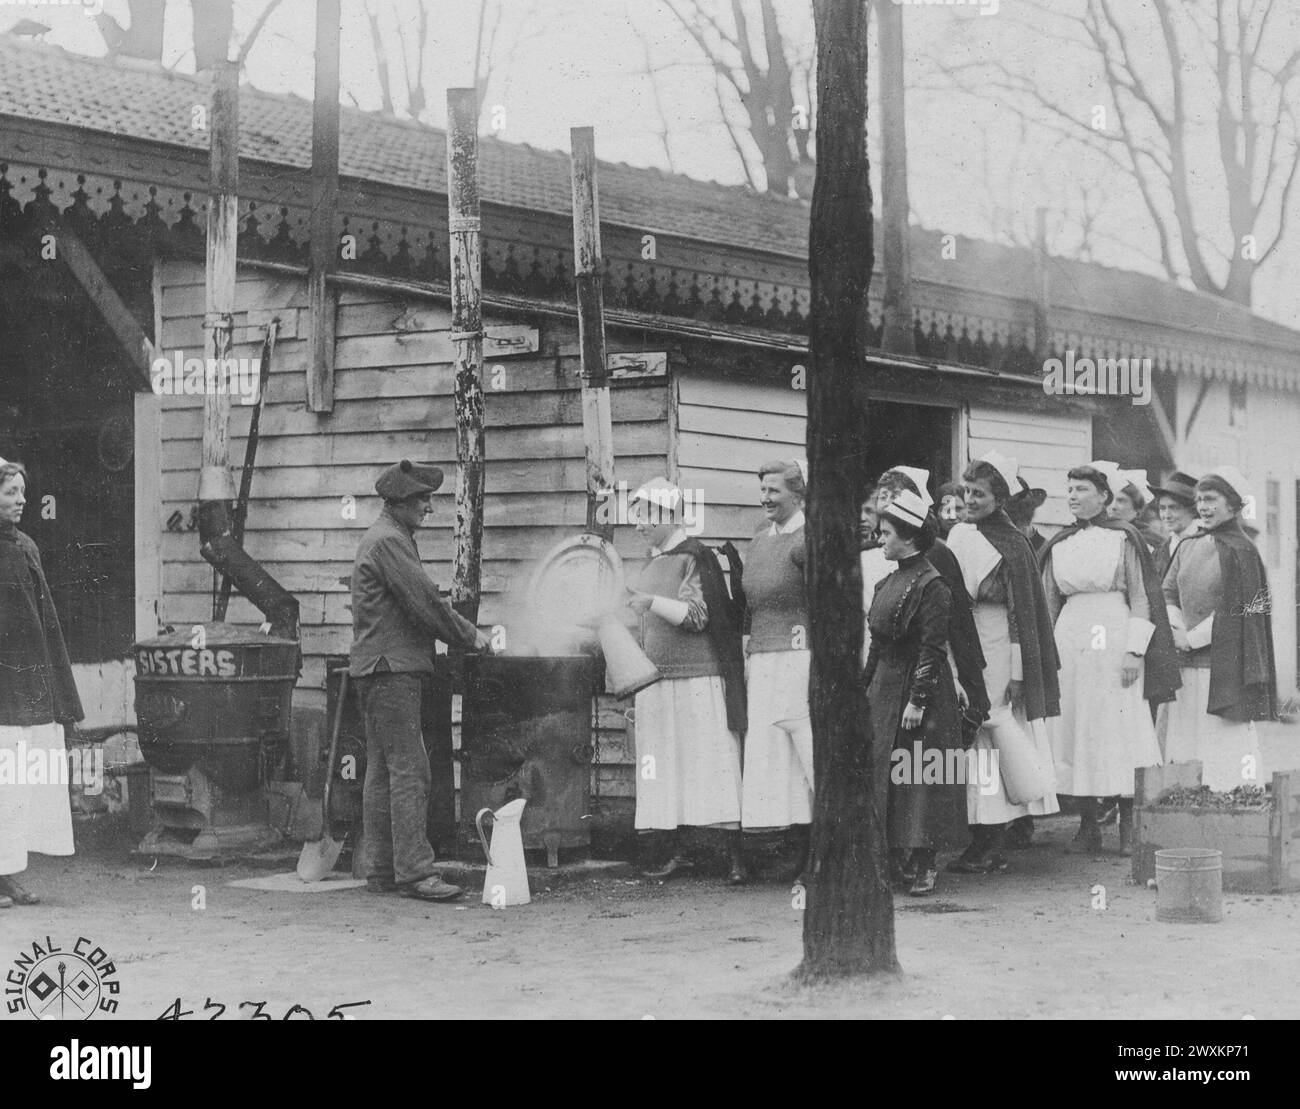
x=397, y=613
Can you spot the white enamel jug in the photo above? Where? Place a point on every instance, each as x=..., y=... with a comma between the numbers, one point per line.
x=507, y=875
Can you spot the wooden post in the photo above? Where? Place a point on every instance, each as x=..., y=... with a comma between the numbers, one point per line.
x=217, y=544
x=324, y=203
x=215, y=483
x=1042, y=344
x=467, y=333
x=597, y=424
x=899, y=333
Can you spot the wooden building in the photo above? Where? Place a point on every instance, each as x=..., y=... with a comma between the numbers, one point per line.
x=706, y=292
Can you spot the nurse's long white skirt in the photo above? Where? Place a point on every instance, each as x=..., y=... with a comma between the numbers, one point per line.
x=687, y=759
x=1228, y=751
x=777, y=786
x=1104, y=732
x=35, y=814
x=986, y=796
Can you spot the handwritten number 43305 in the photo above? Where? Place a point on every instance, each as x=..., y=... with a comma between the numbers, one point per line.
x=296, y=1012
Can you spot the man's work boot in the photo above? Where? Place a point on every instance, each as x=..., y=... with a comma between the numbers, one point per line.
x=432, y=888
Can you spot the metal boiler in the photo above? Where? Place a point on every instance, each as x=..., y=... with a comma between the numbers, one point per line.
x=526, y=731
x=213, y=706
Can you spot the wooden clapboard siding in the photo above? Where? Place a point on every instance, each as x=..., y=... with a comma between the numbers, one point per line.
x=393, y=394
x=726, y=429
x=1046, y=445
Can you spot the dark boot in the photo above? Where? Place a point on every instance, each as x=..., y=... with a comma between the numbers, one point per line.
x=1020, y=835
x=901, y=873
x=970, y=861
x=927, y=874
x=803, y=837
x=995, y=859
x=1087, y=840
x=737, y=873
x=664, y=860
x=1126, y=826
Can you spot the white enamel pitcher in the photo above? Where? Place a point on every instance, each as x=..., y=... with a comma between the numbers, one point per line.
x=507, y=876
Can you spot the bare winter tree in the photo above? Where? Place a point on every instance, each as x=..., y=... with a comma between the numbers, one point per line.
x=756, y=66
x=1215, y=173
x=849, y=917
x=401, y=37
x=212, y=22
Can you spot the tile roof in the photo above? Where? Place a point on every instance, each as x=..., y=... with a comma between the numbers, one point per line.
x=144, y=101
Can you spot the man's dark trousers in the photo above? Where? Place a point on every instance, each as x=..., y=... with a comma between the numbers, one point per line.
x=395, y=799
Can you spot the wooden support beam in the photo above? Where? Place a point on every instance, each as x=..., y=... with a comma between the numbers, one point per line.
x=467, y=334
x=131, y=337
x=1196, y=406
x=1168, y=436
x=1042, y=346
x=215, y=482
x=899, y=333
x=597, y=424
x=324, y=204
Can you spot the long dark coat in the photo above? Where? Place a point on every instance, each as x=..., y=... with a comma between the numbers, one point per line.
x=908, y=661
x=36, y=685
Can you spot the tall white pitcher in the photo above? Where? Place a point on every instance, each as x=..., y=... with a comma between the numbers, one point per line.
x=507, y=875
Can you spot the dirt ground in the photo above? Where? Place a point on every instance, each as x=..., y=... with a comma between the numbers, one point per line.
x=1025, y=944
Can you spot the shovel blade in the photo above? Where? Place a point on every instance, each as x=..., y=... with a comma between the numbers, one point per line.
x=318, y=858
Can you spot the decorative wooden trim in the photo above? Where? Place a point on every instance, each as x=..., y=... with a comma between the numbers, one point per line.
x=705, y=289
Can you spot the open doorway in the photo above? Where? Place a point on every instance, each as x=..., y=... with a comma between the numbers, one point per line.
x=910, y=435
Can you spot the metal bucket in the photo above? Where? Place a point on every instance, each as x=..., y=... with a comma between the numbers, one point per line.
x=1189, y=885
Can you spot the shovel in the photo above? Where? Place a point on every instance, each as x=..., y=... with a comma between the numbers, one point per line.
x=319, y=856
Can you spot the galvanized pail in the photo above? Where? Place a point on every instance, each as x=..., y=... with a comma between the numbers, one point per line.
x=1189, y=885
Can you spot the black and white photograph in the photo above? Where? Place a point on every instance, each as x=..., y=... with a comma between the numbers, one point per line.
x=651, y=510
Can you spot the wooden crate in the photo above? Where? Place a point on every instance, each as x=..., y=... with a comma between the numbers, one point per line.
x=1261, y=847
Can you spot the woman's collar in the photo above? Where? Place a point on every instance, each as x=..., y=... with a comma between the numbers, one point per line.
x=677, y=537
x=795, y=522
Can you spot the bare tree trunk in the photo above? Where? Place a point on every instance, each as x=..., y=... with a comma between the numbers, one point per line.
x=144, y=38
x=214, y=22
x=849, y=917
x=381, y=60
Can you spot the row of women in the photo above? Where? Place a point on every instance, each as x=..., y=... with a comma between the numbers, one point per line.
x=1047, y=667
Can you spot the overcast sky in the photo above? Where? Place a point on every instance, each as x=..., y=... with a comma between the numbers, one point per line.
x=574, y=62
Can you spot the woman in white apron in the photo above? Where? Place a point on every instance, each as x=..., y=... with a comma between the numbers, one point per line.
x=1116, y=652
x=777, y=783
x=1000, y=574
